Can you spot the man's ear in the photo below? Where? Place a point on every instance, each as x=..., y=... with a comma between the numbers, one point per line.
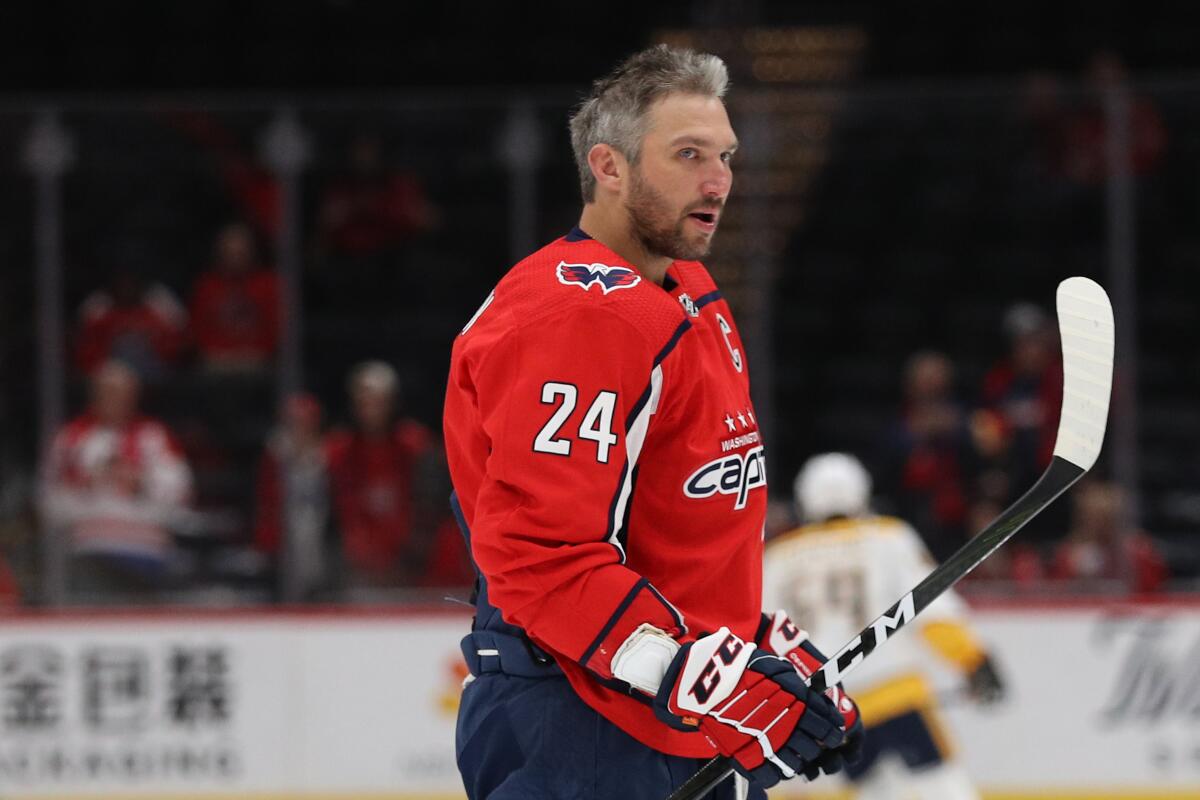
x=609, y=167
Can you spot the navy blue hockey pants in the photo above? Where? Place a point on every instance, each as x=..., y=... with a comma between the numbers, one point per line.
x=523, y=738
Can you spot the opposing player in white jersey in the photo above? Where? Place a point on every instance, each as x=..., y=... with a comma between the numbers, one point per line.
x=835, y=574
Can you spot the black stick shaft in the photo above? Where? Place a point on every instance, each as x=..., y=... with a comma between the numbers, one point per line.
x=1057, y=478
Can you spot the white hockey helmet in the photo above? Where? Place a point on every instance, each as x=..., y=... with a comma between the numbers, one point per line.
x=832, y=485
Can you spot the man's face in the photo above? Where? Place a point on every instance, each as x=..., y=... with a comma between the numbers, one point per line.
x=235, y=250
x=372, y=408
x=1033, y=351
x=679, y=186
x=114, y=395
x=929, y=378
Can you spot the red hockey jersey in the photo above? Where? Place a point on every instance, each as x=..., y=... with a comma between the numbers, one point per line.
x=604, y=448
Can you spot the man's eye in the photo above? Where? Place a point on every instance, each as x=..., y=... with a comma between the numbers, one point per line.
x=727, y=157
x=687, y=152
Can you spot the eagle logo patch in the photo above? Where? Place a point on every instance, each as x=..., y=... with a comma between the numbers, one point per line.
x=586, y=275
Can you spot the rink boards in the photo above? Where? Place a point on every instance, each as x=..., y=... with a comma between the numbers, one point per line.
x=1104, y=703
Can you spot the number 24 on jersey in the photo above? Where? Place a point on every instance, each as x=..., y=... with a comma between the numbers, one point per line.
x=596, y=425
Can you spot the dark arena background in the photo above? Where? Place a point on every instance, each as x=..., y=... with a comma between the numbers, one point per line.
x=237, y=241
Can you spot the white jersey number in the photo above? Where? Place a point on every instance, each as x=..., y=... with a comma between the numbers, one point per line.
x=837, y=592
x=596, y=425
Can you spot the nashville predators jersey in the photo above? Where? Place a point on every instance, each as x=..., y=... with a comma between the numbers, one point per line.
x=606, y=455
x=835, y=577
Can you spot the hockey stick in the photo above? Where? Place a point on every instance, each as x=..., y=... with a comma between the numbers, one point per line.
x=1085, y=325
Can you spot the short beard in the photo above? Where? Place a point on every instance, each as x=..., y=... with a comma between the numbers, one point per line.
x=651, y=221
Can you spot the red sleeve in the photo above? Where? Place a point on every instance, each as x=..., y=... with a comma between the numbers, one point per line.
x=266, y=285
x=204, y=297
x=1051, y=396
x=337, y=447
x=995, y=384
x=414, y=436
x=557, y=402
x=92, y=346
x=10, y=590
x=267, y=521
x=1061, y=567
x=406, y=208
x=1150, y=568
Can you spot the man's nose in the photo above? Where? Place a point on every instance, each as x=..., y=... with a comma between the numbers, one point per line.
x=716, y=185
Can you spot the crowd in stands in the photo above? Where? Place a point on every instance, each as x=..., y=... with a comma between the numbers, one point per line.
x=115, y=484
x=185, y=467
x=942, y=457
x=951, y=469
x=340, y=509
x=185, y=463
x=361, y=506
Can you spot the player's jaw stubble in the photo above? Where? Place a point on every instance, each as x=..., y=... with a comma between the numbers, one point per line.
x=660, y=231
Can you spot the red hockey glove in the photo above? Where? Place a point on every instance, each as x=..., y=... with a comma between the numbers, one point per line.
x=781, y=636
x=751, y=704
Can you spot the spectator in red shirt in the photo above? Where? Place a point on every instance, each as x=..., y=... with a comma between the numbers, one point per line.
x=139, y=323
x=115, y=482
x=1072, y=140
x=992, y=467
x=1085, y=133
x=1025, y=388
x=235, y=306
x=930, y=453
x=372, y=208
x=377, y=467
x=1101, y=549
x=250, y=185
x=292, y=494
x=10, y=591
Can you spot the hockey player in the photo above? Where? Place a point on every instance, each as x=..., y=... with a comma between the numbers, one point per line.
x=835, y=575
x=609, y=475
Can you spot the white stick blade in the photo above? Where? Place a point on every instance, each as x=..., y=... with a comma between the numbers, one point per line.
x=1085, y=323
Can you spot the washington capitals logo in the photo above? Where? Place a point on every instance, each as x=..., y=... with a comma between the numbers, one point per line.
x=609, y=278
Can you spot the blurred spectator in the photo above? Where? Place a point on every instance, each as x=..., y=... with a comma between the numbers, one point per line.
x=992, y=456
x=377, y=468
x=930, y=453
x=10, y=592
x=448, y=563
x=1101, y=548
x=1043, y=114
x=235, y=306
x=114, y=482
x=251, y=186
x=1085, y=157
x=140, y=323
x=1072, y=139
x=292, y=492
x=1025, y=389
x=371, y=208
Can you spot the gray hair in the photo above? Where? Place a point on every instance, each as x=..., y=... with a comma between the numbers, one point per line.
x=376, y=376
x=615, y=112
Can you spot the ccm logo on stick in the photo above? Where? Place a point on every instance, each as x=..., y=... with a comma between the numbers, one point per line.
x=855, y=651
x=735, y=474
